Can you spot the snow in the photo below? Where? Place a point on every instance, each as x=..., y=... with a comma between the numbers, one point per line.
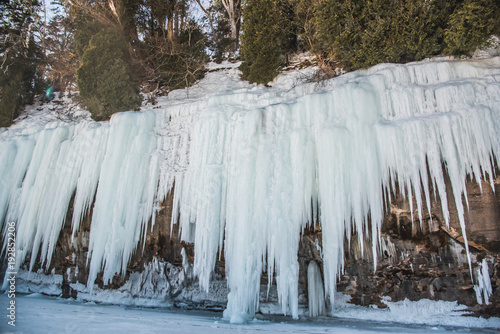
x=159, y=284
x=38, y=282
x=253, y=166
x=422, y=312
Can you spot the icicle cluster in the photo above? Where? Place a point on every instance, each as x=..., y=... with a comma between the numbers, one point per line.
x=483, y=287
x=315, y=292
x=254, y=166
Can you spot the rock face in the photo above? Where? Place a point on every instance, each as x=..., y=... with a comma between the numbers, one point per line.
x=159, y=269
x=429, y=260
x=416, y=260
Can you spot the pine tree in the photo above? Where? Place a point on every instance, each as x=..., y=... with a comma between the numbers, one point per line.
x=264, y=40
x=338, y=27
x=412, y=31
x=105, y=79
x=496, y=26
x=20, y=57
x=363, y=33
x=470, y=26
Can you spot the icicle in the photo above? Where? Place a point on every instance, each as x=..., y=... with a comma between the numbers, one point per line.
x=185, y=260
x=483, y=287
x=125, y=195
x=315, y=292
x=251, y=165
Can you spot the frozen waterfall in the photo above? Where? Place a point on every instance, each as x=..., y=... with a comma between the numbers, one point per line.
x=315, y=291
x=253, y=166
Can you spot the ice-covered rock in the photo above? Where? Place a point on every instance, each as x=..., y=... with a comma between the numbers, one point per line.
x=254, y=166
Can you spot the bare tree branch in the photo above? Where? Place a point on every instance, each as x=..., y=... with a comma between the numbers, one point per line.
x=209, y=17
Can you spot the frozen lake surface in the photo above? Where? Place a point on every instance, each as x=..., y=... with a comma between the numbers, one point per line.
x=40, y=314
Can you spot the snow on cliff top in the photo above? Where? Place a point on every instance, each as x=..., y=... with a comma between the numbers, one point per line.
x=220, y=78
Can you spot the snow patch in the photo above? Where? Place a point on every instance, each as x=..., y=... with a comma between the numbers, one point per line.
x=422, y=312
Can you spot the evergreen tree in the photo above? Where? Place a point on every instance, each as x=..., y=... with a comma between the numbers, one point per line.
x=105, y=79
x=20, y=57
x=363, y=33
x=103, y=39
x=400, y=31
x=303, y=21
x=264, y=40
x=496, y=13
x=338, y=27
x=470, y=26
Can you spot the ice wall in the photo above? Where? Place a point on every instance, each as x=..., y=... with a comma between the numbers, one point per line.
x=315, y=291
x=253, y=166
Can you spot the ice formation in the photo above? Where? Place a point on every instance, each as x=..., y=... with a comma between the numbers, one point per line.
x=483, y=287
x=253, y=166
x=315, y=292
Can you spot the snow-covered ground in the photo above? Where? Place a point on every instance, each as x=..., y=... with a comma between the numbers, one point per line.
x=40, y=314
x=135, y=294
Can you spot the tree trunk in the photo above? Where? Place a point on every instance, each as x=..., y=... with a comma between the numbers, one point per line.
x=233, y=8
x=235, y=33
x=170, y=29
x=172, y=9
x=176, y=26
